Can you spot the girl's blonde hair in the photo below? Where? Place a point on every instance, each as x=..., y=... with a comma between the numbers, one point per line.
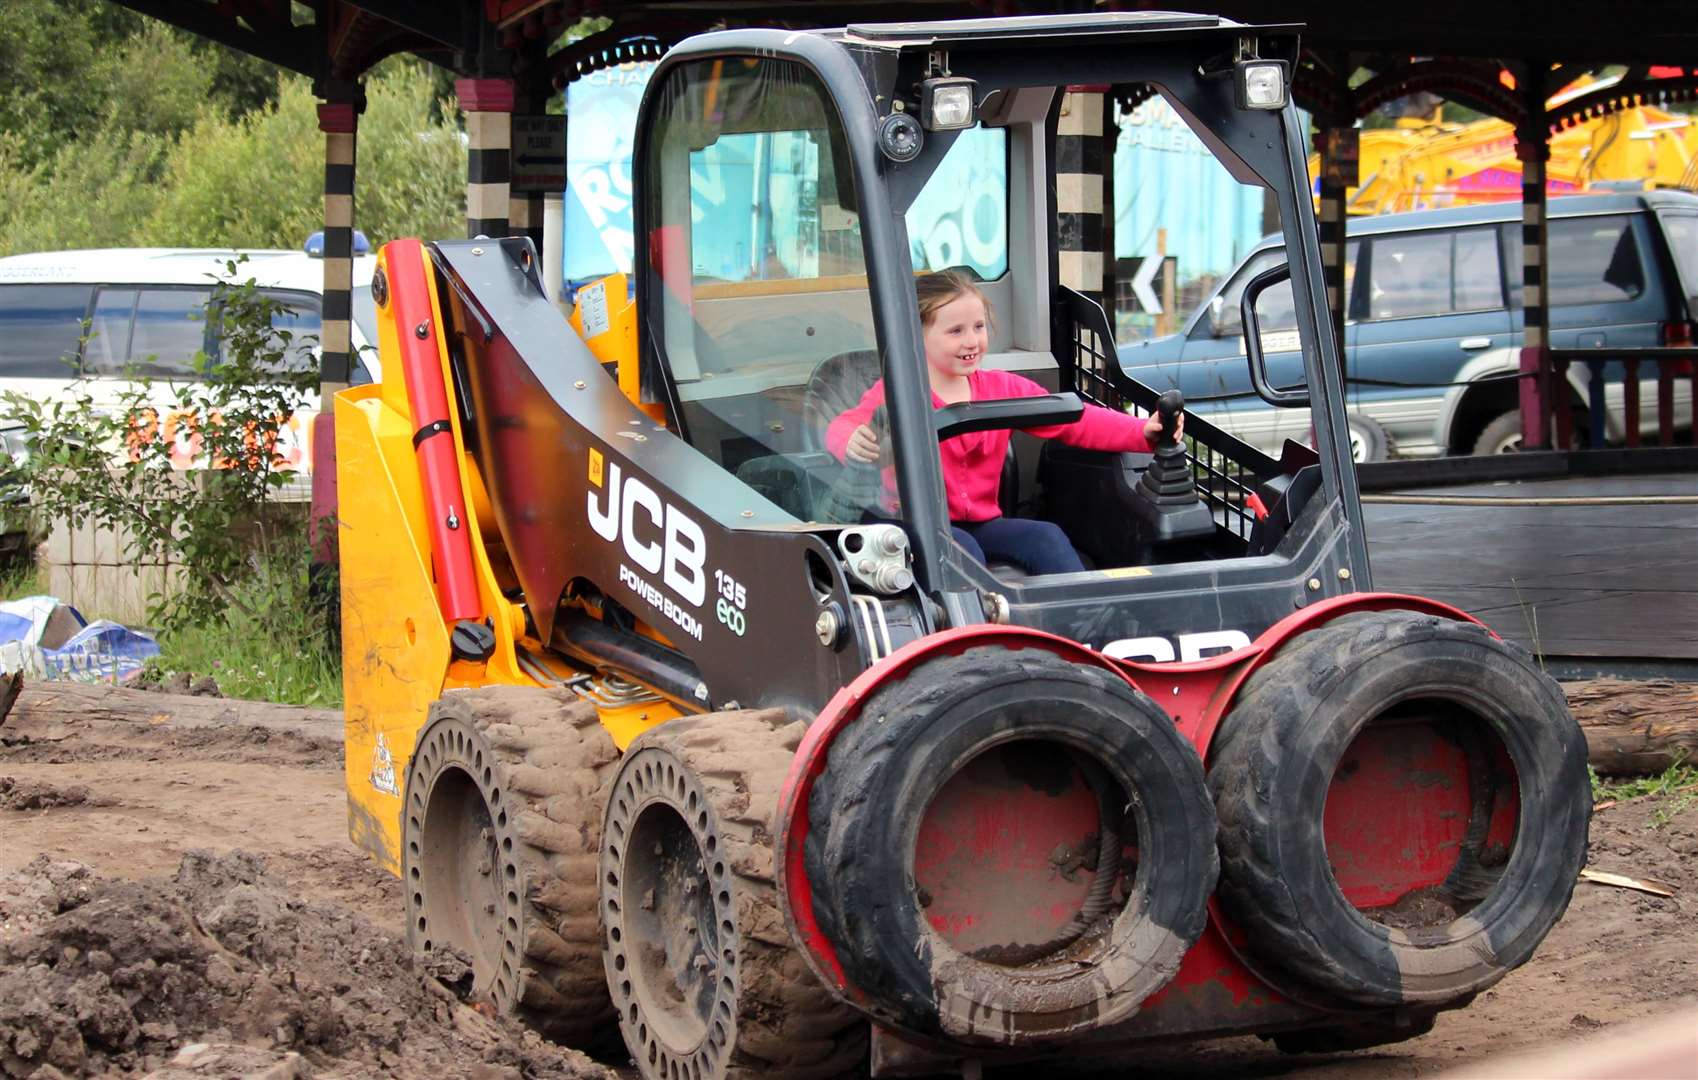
x=943, y=286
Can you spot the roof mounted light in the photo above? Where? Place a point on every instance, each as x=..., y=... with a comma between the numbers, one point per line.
x=946, y=103
x=1260, y=84
x=314, y=246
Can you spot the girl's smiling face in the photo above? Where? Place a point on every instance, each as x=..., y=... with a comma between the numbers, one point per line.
x=957, y=336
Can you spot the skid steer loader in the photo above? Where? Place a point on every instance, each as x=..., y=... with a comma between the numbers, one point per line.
x=671, y=722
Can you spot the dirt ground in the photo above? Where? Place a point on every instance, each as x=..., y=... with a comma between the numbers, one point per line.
x=110, y=938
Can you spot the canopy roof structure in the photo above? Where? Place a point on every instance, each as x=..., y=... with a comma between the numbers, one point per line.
x=1447, y=47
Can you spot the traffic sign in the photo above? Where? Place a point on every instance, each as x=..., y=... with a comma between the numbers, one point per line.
x=1148, y=278
x=539, y=153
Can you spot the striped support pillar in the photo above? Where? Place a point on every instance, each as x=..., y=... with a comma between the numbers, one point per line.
x=1079, y=190
x=524, y=216
x=488, y=105
x=339, y=121
x=524, y=208
x=1331, y=221
x=1539, y=397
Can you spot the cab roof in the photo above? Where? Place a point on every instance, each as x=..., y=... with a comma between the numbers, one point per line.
x=1091, y=24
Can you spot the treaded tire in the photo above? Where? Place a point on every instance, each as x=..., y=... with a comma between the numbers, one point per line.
x=704, y=976
x=501, y=827
x=881, y=775
x=1270, y=769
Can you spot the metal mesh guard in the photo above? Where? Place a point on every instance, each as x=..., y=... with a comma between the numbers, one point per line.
x=1226, y=469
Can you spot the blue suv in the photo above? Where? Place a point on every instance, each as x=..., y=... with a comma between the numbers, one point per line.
x=1434, y=313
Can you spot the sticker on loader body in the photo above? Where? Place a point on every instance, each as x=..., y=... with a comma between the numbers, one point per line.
x=383, y=767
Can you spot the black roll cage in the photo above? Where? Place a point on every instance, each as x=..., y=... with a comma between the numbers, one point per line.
x=860, y=69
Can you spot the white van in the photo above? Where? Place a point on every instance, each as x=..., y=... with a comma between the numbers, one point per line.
x=146, y=307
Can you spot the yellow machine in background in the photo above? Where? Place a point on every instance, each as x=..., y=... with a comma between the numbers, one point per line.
x=1425, y=163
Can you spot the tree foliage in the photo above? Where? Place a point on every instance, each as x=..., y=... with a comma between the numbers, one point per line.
x=410, y=173
x=148, y=177
x=73, y=67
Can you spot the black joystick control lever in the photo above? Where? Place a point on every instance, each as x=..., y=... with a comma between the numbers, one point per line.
x=1168, y=407
x=1166, y=507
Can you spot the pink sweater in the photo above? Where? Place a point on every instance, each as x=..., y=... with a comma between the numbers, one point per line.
x=972, y=463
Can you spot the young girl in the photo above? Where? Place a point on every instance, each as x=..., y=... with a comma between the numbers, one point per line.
x=955, y=317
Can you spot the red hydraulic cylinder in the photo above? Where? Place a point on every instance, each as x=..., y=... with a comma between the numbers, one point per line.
x=433, y=439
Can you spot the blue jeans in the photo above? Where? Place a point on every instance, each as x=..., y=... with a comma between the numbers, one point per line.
x=1037, y=547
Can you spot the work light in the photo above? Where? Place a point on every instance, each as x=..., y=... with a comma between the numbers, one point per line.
x=1260, y=84
x=946, y=104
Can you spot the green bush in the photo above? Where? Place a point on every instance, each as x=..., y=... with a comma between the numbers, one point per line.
x=252, y=181
x=409, y=181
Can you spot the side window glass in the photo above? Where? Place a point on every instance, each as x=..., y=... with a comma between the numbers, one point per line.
x=40, y=327
x=1682, y=233
x=1477, y=282
x=300, y=317
x=1275, y=309
x=1225, y=316
x=108, y=348
x=1352, y=305
x=170, y=330
x=961, y=216
x=1411, y=275
x=1594, y=260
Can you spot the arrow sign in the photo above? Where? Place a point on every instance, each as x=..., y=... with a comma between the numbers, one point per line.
x=1142, y=281
x=539, y=153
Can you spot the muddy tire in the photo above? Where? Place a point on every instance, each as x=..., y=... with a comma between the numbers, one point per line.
x=992, y=718
x=500, y=836
x=704, y=977
x=1434, y=690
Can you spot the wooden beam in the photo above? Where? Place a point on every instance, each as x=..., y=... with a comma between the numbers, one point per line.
x=1636, y=727
x=294, y=47
x=439, y=22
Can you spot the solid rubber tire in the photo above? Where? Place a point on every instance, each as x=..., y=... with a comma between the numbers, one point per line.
x=541, y=763
x=1270, y=767
x=882, y=772
x=770, y=1016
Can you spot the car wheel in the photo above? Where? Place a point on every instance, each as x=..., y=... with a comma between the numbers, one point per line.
x=1503, y=434
x=1368, y=440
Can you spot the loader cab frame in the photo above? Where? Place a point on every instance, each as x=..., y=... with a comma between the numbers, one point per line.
x=836, y=89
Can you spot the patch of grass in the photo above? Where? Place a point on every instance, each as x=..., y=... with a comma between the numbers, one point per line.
x=1677, y=785
x=281, y=654
x=20, y=578
x=247, y=665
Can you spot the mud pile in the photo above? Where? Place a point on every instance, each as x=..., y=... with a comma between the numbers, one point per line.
x=221, y=971
x=18, y=794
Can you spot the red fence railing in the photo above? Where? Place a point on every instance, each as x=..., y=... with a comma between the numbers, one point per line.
x=1674, y=365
